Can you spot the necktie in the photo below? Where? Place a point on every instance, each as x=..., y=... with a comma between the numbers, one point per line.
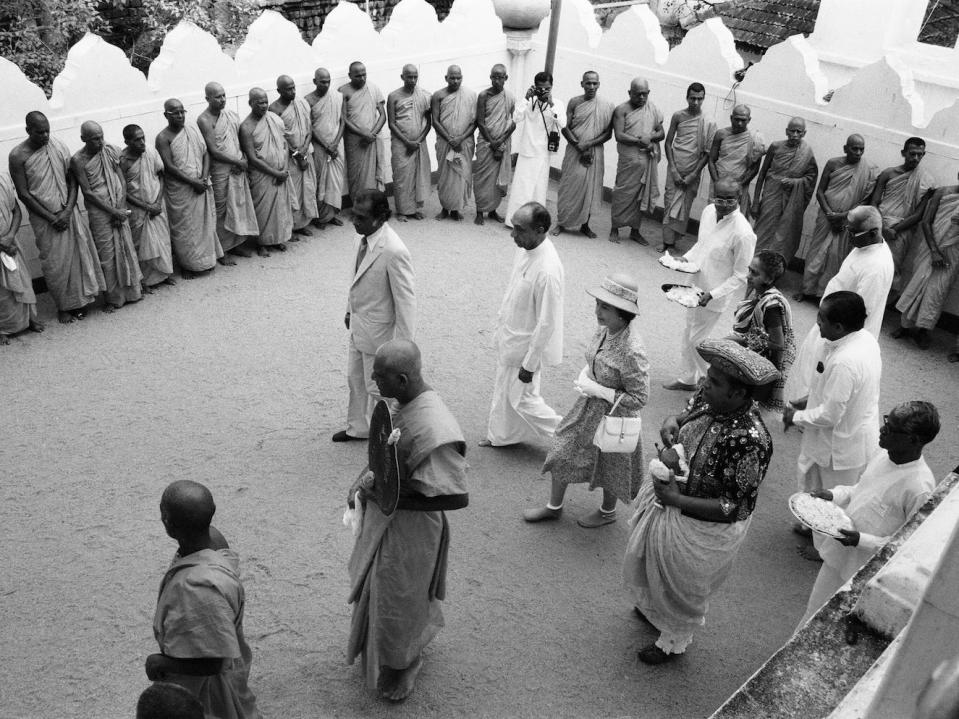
x=360, y=254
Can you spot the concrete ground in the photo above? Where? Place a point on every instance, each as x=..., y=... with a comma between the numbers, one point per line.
x=237, y=380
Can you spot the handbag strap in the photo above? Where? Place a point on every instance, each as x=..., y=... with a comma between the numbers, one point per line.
x=616, y=403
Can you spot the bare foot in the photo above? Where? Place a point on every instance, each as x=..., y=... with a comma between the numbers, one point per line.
x=479, y=219
x=494, y=216
x=417, y=216
x=337, y=222
x=444, y=213
x=37, y=326
x=169, y=281
x=614, y=236
x=110, y=309
x=635, y=236
x=558, y=230
x=280, y=247
x=78, y=314
x=301, y=231
x=4, y=340
x=807, y=551
x=294, y=238
x=484, y=443
x=401, y=218
x=455, y=215
x=241, y=252
x=953, y=357
x=65, y=318
x=189, y=274
x=404, y=682
x=146, y=289
x=262, y=251
x=225, y=261
x=588, y=231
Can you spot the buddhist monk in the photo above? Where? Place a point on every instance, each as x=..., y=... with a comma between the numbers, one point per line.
x=638, y=126
x=39, y=168
x=492, y=169
x=191, y=209
x=589, y=125
x=18, y=303
x=736, y=153
x=409, y=118
x=454, y=117
x=688, y=139
x=364, y=113
x=899, y=194
x=263, y=142
x=235, y=217
x=783, y=189
x=295, y=113
x=143, y=170
x=847, y=181
x=96, y=167
x=326, y=115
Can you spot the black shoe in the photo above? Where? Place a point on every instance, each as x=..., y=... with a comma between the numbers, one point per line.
x=342, y=436
x=654, y=655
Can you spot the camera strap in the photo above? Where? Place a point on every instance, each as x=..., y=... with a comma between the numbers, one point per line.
x=543, y=117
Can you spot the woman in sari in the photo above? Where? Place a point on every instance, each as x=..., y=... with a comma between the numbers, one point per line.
x=763, y=322
x=616, y=373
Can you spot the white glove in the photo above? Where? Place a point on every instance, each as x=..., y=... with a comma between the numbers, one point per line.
x=591, y=388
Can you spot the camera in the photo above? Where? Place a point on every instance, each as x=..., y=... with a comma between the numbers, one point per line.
x=552, y=141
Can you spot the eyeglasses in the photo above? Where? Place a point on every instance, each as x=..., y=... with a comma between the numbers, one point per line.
x=724, y=200
x=857, y=235
x=890, y=426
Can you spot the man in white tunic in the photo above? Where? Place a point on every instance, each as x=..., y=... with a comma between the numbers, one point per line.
x=538, y=116
x=840, y=416
x=529, y=334
x=896, y=482
x=722, y=252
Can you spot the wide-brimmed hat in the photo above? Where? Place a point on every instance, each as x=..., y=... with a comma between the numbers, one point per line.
x=619, y=291
x=738, y=362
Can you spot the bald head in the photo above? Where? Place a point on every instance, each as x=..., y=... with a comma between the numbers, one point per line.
x=357, y=75
x=638, y=92
x=795, y=131
x=259, y=102
x=321, y=74
x=401, y=356
x=257, y=93
x=498, y=68
x=638, y=83
x=854, y=148
x=321, y=80
x=407, y=68
x=454, y=78
x=410, y=76
x=212, y=89
x=864, y=218
x=398, y=370
x=36, y=118
x=172, y=105
x=739, y=119
x=727, y=185
x=742, y=110
x=89, y=129
x=187, y=508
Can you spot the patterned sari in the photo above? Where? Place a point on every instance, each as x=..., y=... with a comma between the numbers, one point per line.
x=750, y=323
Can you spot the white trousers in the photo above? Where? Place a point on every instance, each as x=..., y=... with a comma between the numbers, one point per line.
x=363, y=391
x=699, y=325
x=529, y=184
x=518, y=412
x=828, y=582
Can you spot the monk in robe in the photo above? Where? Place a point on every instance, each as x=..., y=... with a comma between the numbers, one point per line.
x=198, y=622
x=18, y=303
x=364, y=114
x=96, y=167
x=899, y=194
x=143, y=170
x=295, y=113
x=638, y=126
x=263, y=141
x=235, y=217
x=736, y=152
x=454, y=116
x=40, y=170
x=783, y=189
x=398, y=565
x=847, y=181
x=688, y=139
x=408, y=115
x=935, y=269
x=492, y=168
x=326, y=117
x=191, y=209
x=589, y=125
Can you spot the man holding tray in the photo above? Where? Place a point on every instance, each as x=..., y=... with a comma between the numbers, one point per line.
x=723, y=250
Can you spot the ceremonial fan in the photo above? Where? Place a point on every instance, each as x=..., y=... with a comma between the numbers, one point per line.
x=383, y=462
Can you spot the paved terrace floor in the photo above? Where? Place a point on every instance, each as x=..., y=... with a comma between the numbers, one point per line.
x=237, y=380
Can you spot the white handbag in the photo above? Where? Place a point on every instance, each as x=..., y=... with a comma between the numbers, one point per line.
x=618, y=434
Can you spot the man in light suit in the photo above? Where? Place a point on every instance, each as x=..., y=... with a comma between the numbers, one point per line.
x=381, y=305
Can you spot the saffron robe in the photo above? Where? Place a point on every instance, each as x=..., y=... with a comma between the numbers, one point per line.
x=398, y=564
x=737, y=152
x=923, y=298
x=848, y=186
x=151, y=235
x=118, y=255
x=491, y=177
x=364, y=170
x=900, y=197
x=273, y=204
x=581, y=186
x=235, y=216
x=637, y=181
x=69, y=259
x=192, y=216
x=411, y=172
x=199, y=615
x=298, y=124
x=788, y=187
x=455, y=182
x=691, y=141
x=325, y=117
x=18, y=304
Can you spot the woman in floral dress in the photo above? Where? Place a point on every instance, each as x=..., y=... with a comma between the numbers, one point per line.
x=763, y=323
x=616, y=371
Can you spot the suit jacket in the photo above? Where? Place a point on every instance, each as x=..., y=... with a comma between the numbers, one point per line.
x=382, y=303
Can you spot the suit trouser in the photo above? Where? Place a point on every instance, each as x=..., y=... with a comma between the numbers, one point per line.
x=363, y=391
x=518, y=412
x=699, y=325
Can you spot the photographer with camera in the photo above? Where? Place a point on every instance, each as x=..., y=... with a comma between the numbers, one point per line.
x=538, y=120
